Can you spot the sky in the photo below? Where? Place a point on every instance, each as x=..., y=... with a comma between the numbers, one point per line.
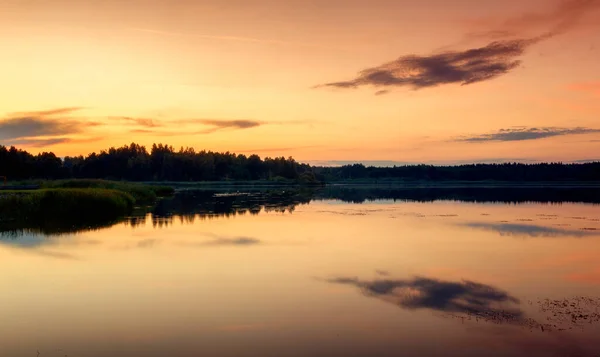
x=324, y=81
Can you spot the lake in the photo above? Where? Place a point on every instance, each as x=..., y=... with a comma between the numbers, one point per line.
x=336, y=272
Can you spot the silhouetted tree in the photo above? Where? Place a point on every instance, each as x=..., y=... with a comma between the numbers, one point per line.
x=163, y=163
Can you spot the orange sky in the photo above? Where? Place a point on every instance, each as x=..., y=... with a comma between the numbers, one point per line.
x=282, y=77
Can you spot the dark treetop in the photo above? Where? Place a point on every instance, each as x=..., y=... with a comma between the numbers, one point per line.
x=163, y=163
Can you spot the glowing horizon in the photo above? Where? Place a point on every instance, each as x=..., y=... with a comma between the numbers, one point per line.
x=329, y=81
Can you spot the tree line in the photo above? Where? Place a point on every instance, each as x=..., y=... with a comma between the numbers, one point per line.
x=164, y=163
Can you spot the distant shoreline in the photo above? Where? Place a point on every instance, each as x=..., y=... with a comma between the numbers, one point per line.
x=383, y=183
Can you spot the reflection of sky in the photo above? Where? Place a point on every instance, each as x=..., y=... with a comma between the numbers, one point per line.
x=232, y=286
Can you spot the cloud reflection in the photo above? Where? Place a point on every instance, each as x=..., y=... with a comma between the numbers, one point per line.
x=527, y=230
x=452, y=297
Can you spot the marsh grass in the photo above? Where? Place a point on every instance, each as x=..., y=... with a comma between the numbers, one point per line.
x=74, y=204
x=143, y=194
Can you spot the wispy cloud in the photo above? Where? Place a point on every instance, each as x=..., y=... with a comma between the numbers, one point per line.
x=198, y=126
x=41, y=128
x=48, y=142
x=478, y=64
x=521, y=134
x=566, y=15
x=226, y=124
x=228, y=38
x=50, y=112
x=145, y=122
x=461, y=67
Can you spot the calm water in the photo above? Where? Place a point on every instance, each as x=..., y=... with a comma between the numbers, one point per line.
x=279, y=276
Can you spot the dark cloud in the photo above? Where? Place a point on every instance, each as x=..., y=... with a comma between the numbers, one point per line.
x=520, y=134
x=16, y=128
x=509, y=43
x=460, y=67
x=525, y=230
x=26, y=128
x=445, y=296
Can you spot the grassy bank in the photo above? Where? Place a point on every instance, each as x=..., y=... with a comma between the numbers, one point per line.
x=63, y=207
x=143, y=194
x=69, y=205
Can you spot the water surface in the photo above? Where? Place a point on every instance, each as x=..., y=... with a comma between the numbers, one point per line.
x=306, y=275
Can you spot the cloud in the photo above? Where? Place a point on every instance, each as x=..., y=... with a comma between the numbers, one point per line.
x=50, y=112
x=229, y=38
x=26, y=127
x=478, y=64
x=521, y=134
x=566, y=15
x=213, y=125
x=15, y=128
x=219, y=124
x=525, y=230
x=445, y=296
x=459, y=67
x=197, y=126
x=145, y=122
x=49, y=142
x=40, y=142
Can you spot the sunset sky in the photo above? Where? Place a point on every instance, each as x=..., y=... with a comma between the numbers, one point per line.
x=324, y=81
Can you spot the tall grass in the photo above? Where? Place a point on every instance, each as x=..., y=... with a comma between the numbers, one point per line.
x=63, y=208
x=71, y=205
x=143, y=194
x=74, y=204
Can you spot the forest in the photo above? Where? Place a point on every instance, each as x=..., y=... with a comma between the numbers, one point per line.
x=164, y=163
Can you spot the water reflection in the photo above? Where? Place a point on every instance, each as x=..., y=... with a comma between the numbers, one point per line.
x=477, y=301
x=196, y=276
x=528, y=230
x=189, y=205
x=466, y=297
